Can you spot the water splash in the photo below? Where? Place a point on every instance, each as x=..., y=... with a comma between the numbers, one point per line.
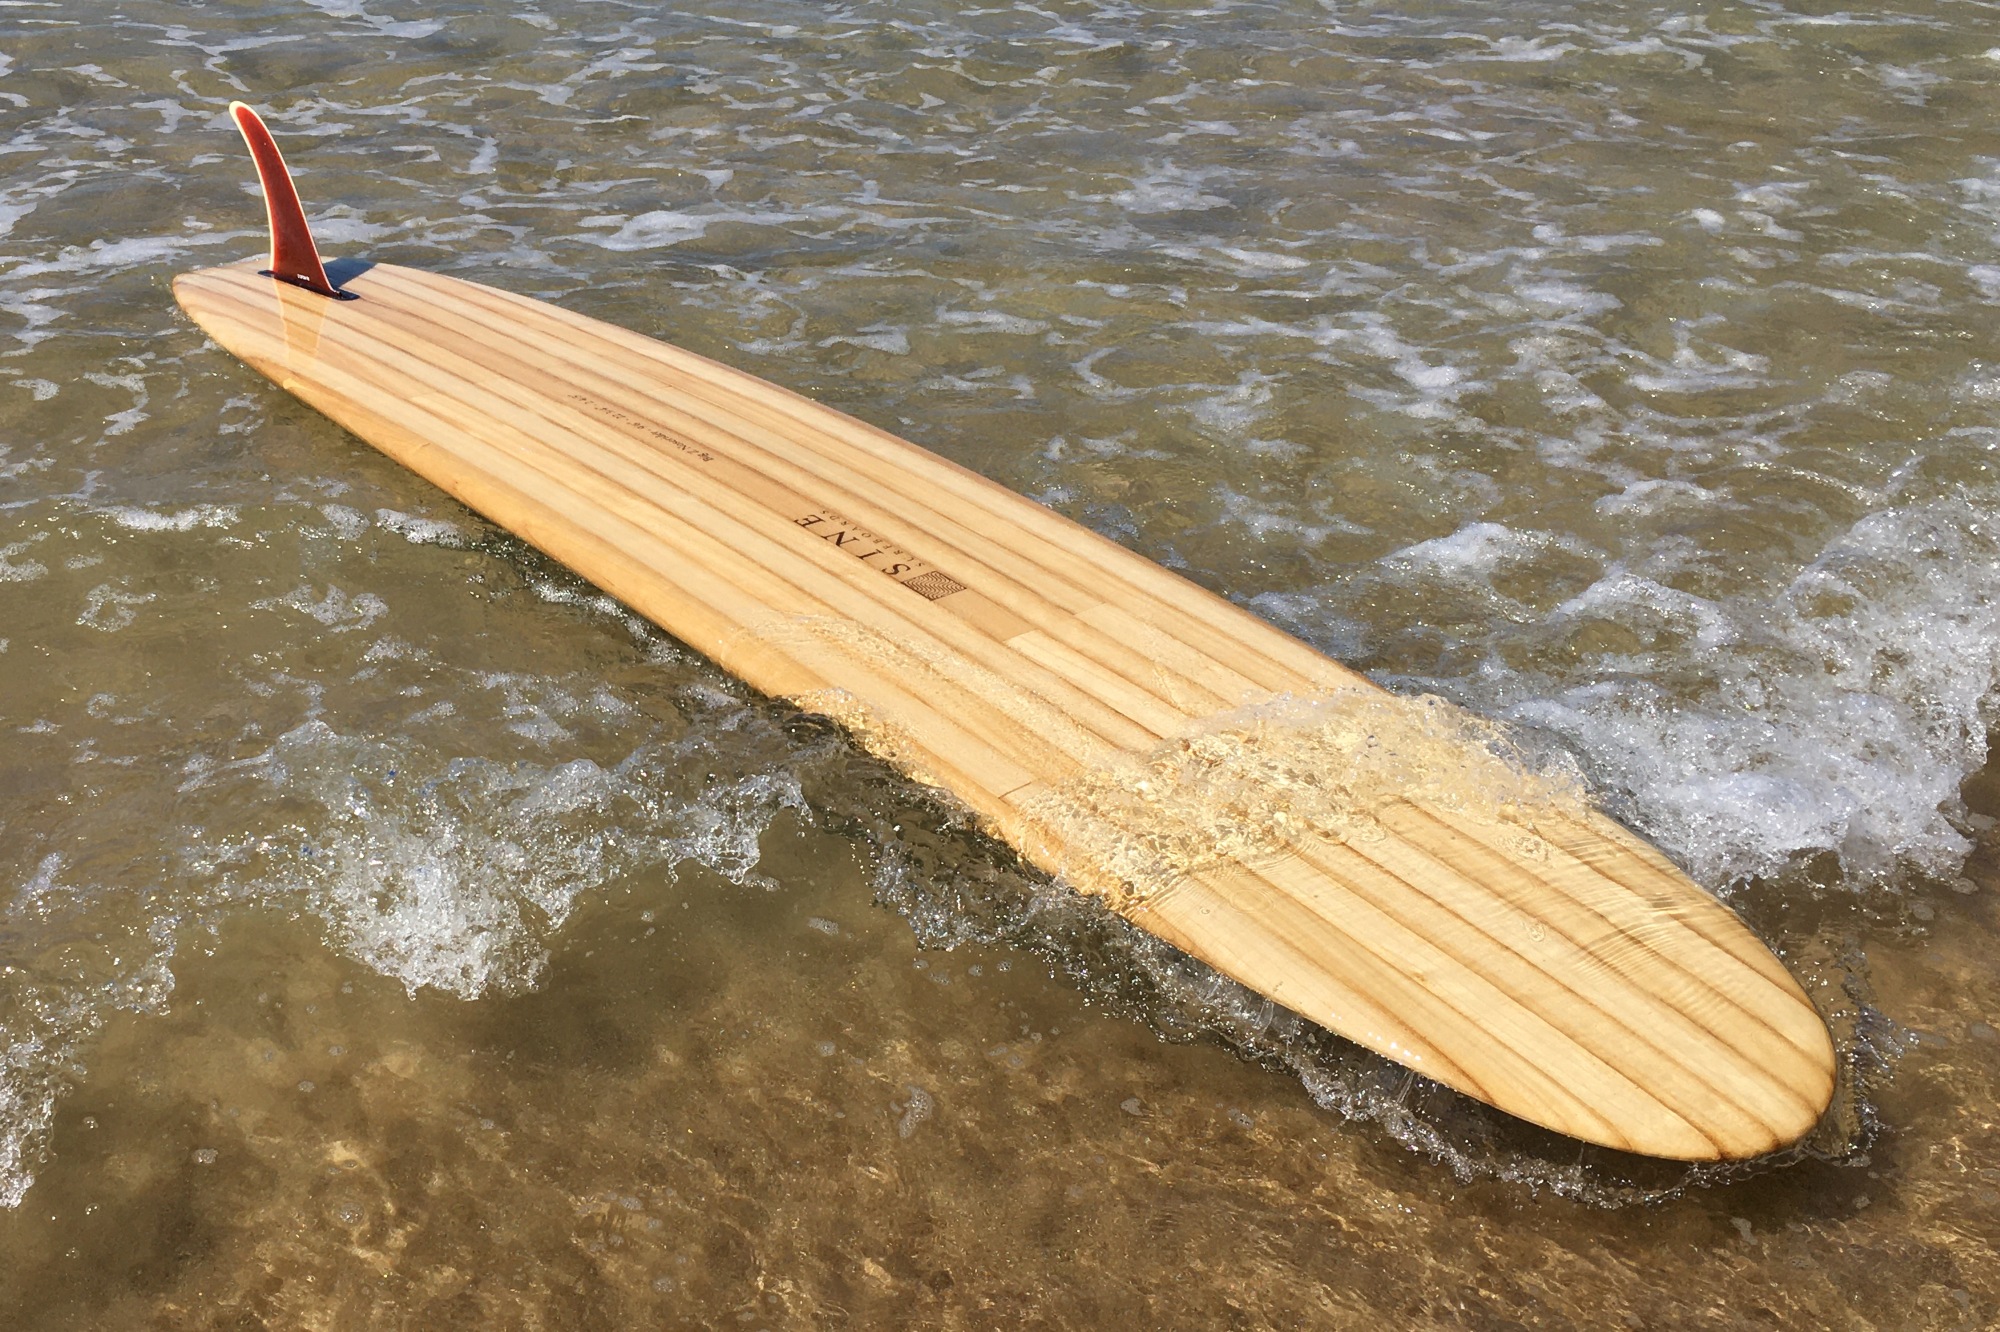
x=1248, y=784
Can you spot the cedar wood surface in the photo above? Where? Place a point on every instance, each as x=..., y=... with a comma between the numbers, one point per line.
x=1593, y=989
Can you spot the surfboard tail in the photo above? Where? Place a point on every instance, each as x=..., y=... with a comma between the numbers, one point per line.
x=294, y=257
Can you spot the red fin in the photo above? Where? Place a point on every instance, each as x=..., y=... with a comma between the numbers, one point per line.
x=294, y=258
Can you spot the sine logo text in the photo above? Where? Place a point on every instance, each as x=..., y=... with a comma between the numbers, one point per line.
x=880, y=553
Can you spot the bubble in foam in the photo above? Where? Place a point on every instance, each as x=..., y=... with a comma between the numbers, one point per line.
x=917, y=1107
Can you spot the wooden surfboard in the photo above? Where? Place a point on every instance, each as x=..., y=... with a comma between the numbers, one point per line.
x=1372, y=863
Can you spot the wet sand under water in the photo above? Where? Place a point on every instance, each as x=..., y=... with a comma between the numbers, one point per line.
x=761, y=1108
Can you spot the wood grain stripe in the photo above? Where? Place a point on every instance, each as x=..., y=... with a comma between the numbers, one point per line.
x=1692, y=1074
x=1623, y=935
x=822, y=584
x=1052, y=564
x=1115, y=672
x=974, y=745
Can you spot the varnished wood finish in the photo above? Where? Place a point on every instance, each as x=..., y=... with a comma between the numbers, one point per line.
x=1001, y=651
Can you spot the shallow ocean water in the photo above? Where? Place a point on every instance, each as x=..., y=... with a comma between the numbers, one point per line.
x=394, y=932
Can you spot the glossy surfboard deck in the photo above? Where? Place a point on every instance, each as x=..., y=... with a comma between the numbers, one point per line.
x=1374, y=864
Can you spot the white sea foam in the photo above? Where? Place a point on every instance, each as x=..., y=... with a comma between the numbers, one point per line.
x=14, y=568
x=889, y=341
x=45, y=1026
x=334, y=608
x=30, y=1083
x=440, y=871
x=1474, y=551
x=1167, y=191
x=421, y=531
x=129, y=252
x=405, y=29
x=1655, y=496
x=1265, y=523
x=989, y=321
x=1259, y=263
x=135, y=519
x=451, y=873
x=1886, y=693
x=1237, y=408
x=347, y=523
x=665, y=226
x=1839, y=716
x=108, y=608
x=1556, y=299
x=1525, y=50
x=1689, y=371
